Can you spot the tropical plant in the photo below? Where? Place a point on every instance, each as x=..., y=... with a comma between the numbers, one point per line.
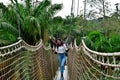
x=8, y=33
x=114, y=40
x=45, y=12
x=98, y=42
x=31, y=23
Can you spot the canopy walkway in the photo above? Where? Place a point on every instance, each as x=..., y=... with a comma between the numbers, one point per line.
x=20, y=61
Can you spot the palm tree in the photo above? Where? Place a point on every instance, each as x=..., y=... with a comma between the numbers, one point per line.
x=47, y=11
x=40, y=16
x=32, y=22
x=27, y=21
x=8, y=33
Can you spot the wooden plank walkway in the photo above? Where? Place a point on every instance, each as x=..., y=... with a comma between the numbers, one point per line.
x=58, y=74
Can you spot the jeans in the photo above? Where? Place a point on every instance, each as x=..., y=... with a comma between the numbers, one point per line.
x=62, y=60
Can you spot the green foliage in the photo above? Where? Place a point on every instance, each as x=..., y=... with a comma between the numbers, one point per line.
x=8, y=33
x=94, y=40
x=6, y=38
x=8, y=27
x=114, y=40
x=98, y=42
x=33, y=21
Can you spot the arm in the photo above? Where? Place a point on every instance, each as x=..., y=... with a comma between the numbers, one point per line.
x=66, y=48
x=52, y=43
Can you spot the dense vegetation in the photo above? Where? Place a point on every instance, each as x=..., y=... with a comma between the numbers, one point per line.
x=98, y=42
x=33, y=21
x=104, y=36
x=26, y=20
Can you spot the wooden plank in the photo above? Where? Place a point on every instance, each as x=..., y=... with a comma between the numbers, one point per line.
x=65, y=74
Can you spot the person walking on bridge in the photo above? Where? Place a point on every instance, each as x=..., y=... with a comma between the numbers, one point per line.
x=61, y=49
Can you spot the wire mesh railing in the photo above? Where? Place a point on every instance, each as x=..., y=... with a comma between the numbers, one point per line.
x=21, y=61
x=86, y=64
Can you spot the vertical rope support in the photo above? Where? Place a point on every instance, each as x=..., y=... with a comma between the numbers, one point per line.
x=103, y=59
x=108, y=61
x=114, y=60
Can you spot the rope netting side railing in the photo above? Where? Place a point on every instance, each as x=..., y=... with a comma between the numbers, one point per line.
x=86, y=64
x=20, y=61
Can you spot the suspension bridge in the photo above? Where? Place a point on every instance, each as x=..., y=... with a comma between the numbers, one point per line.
x=20, y=61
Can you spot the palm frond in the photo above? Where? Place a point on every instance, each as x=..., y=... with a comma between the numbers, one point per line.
x=54, y=9
x=6, y=37
x=42, y=7
x=8, y=27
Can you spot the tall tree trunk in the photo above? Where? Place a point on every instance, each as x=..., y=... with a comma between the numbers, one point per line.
x=45, y=35
x=78, y=8
x=85, y=9
x=117, y=10
x=104, y=9
x=72, y=8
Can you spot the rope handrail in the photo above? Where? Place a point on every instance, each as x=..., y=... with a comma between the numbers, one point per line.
x=100, y=53
x=102, y=61
x=17, y=46
x=99, y=62
x=30, y=47
x=23, y=43
x=40, y=42
x=14, y=44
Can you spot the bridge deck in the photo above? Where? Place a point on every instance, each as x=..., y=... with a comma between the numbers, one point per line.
x=58, y=74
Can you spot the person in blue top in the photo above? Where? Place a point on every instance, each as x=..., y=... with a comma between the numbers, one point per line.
x=61, y=49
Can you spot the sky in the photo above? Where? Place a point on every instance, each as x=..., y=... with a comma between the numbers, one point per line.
x=67, y=6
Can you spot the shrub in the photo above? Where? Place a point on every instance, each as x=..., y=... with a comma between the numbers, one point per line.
x=114, y=40
x=98, y=42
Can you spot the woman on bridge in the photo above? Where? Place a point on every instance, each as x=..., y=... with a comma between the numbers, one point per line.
x=61, y=49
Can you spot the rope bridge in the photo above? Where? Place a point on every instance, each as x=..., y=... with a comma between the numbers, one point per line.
x=86, y=64
x=20, y=61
